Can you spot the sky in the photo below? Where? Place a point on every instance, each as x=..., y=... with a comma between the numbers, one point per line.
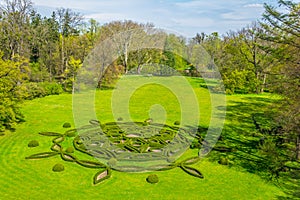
x=184, y=17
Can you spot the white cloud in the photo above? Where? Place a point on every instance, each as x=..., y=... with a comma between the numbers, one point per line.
x=254, y=5
x=106, y=16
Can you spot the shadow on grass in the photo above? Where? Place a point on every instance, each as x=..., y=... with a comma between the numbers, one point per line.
x=291, y=185
x=242, y=140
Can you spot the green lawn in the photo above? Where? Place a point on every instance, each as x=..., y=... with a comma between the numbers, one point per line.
x=34, y=179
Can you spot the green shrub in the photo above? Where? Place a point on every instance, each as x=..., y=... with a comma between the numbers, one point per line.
x=58, y=168
x=71, y=133
x=67, y=125
x=34, y=90
x=177, y=123
x=52, y=88
x=120, y=119
x=223, y=161
x=37, y=90
x=195, y=144
x=70, y=150
x=152, y=178
x=33, y=143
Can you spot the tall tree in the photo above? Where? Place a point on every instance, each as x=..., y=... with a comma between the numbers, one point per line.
x=68, y=25
x=15, y=19
x=12, y=75
x=283, y=29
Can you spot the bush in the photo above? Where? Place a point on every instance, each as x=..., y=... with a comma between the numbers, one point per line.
x=52, y=88
x=67, y=125
x=58, y=168
x=37, y=90
x=223, y=161
x=152, y=178
x=33, y=143
x=120, y=119
x=34, y=90
x=71, y=133
x=177, y=123
x=195, y=144
x=70, y=150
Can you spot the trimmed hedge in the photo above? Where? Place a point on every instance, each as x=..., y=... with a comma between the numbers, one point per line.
x=152, y=178
x=33, y=143
x=177, y=123
x=70, y=150
x=71, y=133
x=58, y=168
x=66, y=125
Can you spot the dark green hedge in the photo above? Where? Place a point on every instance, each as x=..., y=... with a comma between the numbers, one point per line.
x=152, y=178
x=33, y=143
x=58, y=168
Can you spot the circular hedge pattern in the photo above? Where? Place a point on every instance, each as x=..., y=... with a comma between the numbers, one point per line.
x=139, y=142
x=119, y=141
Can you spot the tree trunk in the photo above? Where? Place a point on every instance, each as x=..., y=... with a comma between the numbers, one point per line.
x=264, y=83
x=257, y=87
x=139, y=68
x=125, y=61
x=62, y=55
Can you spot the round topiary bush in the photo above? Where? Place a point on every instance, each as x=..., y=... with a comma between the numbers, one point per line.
x=70, y=150
x=223, y=161
x=177, y=123
x=33, y=143
x=58, y=168
x=152, y=178
x=67, y=125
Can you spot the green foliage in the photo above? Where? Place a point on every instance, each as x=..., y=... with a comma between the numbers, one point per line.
x=195, y=144
x=71, y=133
x=223, y=161
x=70, y=150
x=102, y=175
x=42, y=89
x=12, y=75
x=67, y=125
x=42, y=155
x=237, y=81
x=58, y=167
x=52, y=88
x=33, y=143
x=152, y=178
x=34, y=90
x=177, y=123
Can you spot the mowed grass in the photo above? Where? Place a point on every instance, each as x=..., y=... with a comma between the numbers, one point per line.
x=34, y=179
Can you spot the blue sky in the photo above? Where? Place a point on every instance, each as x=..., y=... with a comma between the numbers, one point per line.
x=186, y=17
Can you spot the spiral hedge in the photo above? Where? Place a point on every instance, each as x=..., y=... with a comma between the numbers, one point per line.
x=115, y=142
